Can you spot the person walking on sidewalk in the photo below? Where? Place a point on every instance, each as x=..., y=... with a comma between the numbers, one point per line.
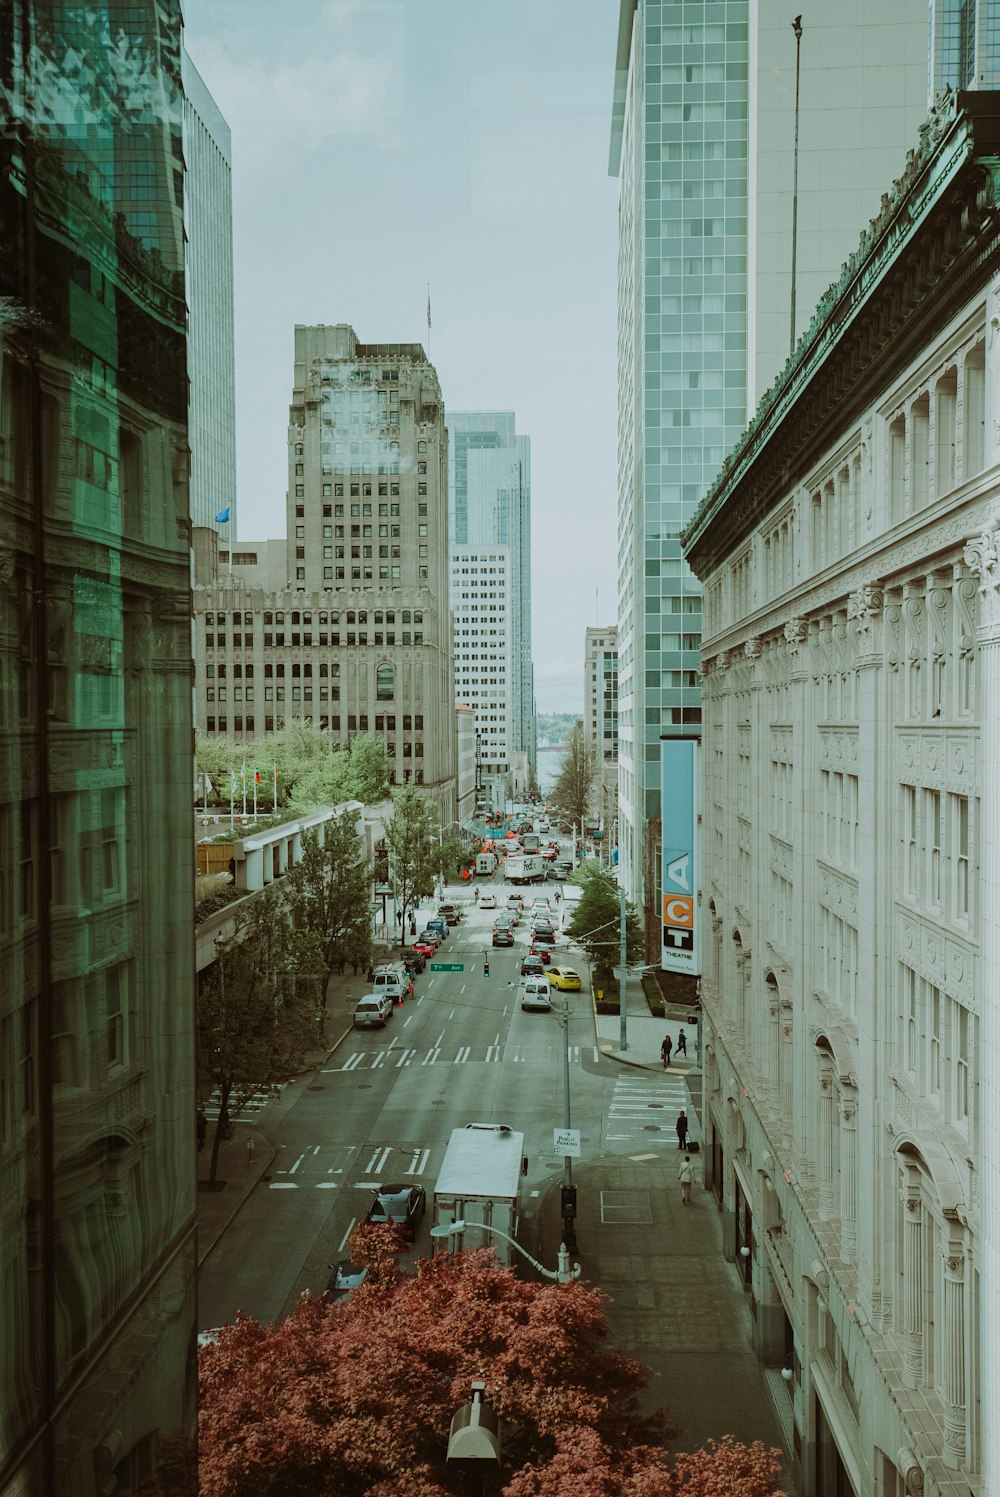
x=682, y=1044
x=682, y=1129
x=684, y=1175
x=665, y=1050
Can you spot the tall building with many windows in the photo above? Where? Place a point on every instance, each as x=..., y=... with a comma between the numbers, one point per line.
x=964, y=44
x=600, y=723
x=850, y=845
x=489, y=504
x=702, y=144
x=97, y=1101
x=208, y=270
x=481, y=603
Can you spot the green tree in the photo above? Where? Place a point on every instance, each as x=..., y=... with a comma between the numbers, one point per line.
x=596, y=921
x=328, y=893
x=368, y=767
x=256, y=1008
x=570, y=795
x=414, y=855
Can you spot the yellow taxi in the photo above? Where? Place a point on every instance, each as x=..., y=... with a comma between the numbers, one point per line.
x=565, y=979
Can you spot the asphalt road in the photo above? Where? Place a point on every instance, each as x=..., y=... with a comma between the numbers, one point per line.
x=461, y=1051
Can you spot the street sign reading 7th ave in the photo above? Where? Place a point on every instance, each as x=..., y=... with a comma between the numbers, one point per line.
x=447, y=966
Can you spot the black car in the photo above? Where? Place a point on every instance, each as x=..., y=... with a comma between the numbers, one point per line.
x=542, y=931
x=402, y=1204
x=503, y=935
x=532, y=966
x=413, y=961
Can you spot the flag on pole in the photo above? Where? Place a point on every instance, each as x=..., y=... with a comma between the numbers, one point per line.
x=222, y=518
x=232, y=781
x=256, y=776
x=428, y=304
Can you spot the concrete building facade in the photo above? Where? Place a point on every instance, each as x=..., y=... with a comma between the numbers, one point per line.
x=489, y=504
x=482, y=604
x=600, y=722
x=850, y=558
x=702, y=145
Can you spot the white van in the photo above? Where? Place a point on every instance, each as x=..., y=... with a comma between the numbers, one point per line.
x=389, y=981
x=372, y=1011
x=534, y=993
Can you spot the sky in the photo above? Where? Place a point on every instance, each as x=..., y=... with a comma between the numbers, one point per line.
x=383, y=145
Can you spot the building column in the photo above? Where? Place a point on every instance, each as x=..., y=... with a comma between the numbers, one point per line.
x=848, y=1176
x=982, y=556
x=824, y=1141
x=954, y=1338
x=787, y=1065
x=912, y=1305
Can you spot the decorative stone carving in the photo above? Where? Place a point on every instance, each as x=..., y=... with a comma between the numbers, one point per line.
x=982, y=557
x=864, y=608
x=721, y=661
x=751, y=648
x=795, y=633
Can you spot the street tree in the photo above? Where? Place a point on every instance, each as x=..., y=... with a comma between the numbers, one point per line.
x=328, y=893
x=596, y=922
x=414, y=854
x=256, y=1012
x=358, y=1397
x=570, y=794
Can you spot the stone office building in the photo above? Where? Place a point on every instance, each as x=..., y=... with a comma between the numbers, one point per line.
x=346, y=624
x=850, y=558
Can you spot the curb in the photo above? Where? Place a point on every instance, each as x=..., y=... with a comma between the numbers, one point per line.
x=267, y=1156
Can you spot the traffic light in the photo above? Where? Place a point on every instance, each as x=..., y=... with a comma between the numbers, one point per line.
x=568, y=1202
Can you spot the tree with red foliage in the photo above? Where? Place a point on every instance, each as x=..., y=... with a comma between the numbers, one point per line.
x=357, y=1397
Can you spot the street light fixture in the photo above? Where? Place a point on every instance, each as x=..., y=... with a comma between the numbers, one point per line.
x=562, y=1275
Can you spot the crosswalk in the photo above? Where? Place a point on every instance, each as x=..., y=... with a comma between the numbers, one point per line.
x=645, y=1107
x=399, y=1057
x=349, y=1166
x=249, y=1109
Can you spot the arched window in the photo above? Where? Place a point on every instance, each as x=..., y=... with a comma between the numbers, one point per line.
x=385, y=683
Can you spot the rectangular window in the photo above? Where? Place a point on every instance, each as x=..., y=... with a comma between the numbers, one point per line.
x=960, y=843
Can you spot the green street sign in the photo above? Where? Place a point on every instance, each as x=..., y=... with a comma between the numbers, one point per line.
x=447, y=966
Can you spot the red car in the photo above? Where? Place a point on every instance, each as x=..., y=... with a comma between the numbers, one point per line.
x=425, y=948
x=549, y=855
x=542, y=952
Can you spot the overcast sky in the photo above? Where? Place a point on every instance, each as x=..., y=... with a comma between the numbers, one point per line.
x=379, y=145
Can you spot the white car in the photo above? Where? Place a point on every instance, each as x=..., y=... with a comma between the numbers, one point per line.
x=487, y=901
x=534, y=993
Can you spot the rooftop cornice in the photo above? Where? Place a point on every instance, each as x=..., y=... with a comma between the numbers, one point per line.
x=941, y=218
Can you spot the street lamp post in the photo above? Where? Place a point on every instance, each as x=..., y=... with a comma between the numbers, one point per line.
x=569, y=1222
x=797, y=28
x=562, y=1275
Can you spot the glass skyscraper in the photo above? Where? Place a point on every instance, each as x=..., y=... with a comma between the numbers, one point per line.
x=701, y=143
x=97, y=1105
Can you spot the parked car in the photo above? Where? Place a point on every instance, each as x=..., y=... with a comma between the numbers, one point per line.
x=440, y=925
x=503, y=935
x=565, y=979
x=534, y=994
x=394, y=982
x=402, y=1204
x=345, y=1277
x=372, y=1011
x=487, y=901
x=425, y=948
x=532, y=966
x=413, y=960
x=433, y=935
x=450, y=913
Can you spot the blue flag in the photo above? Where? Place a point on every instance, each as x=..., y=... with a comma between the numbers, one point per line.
x=222, y=518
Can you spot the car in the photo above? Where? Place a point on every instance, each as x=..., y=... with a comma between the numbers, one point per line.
x=532, y=966
x=413, y=960
x=556, y=873
x=487, y=901
x=402, y=1204
x=515, y=900
x=565, y=979
x=432, y=935
x=395, y=982
x=543, y=953
x=534, y=993
x=345, y=1278
x=543, y=930
x=549, y=854
x=450, y=913
x=503, y=935
x=372, y=1011
x=438, y=924
x=424, y=948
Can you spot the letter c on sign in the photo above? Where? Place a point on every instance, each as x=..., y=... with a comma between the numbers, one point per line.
x=678, y=910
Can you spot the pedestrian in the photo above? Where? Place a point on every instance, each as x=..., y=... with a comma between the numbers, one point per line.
x=486, y=966
x=476, y=896
x=684, y=1175
x=682, y=1129
x=682, y=1044
x=665, y=1050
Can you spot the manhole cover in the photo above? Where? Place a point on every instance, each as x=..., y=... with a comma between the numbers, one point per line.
x=365, y=1086
x=317, y=1088
x=652, y=1128
x=655, y=1104
x=437, y=1104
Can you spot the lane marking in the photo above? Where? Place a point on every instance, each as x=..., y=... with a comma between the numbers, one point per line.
x=343, y=1240
x=463, y=1055
x=404, y=1058
x=379, y=1059
x=352, y=1063
x=326, y=1185
x=283, y=1185
x=418, y=1163
x=296, y=1164
x=407, y=1020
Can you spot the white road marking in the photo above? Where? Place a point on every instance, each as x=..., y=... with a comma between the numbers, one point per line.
x=352, y=1063
x=431, y=1055
x=418, y=1163
x=597, y=1053
x=283, y=1185
x=316, y=1150
x=326, y=1185
x=407, y=1020
x=343, y=1240
x=296, y=1164
x=463, y=1054
x=379, y=1059
x=452, y=1014
x=404, y=1058
x=377, y=1162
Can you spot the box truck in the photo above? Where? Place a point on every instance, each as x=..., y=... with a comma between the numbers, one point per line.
x=480, y=1185
x=522, y=870
x=486, y=863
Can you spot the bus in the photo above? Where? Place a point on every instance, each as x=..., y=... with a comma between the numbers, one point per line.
x=571, y=894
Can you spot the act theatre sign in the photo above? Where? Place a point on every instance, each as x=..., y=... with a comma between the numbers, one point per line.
x=679, y=792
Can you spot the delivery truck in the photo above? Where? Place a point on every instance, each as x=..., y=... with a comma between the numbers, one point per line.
x=480, y=1185
x=524, y=870
x=486, y=863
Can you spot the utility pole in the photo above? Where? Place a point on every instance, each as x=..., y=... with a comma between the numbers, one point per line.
x=569, y=1222
x=622, y=970
x=797, y=28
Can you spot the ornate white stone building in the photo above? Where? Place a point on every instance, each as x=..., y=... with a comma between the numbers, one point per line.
x=850, y=557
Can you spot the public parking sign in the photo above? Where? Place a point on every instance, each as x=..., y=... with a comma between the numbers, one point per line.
x=447, y=966
x=566, y=1141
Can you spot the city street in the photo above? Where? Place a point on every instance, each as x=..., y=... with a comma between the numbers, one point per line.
x=383, y=1107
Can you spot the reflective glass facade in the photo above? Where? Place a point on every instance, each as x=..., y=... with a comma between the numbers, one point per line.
x=97, y=1112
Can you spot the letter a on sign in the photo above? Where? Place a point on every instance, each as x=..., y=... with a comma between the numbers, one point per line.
x=678, y=872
